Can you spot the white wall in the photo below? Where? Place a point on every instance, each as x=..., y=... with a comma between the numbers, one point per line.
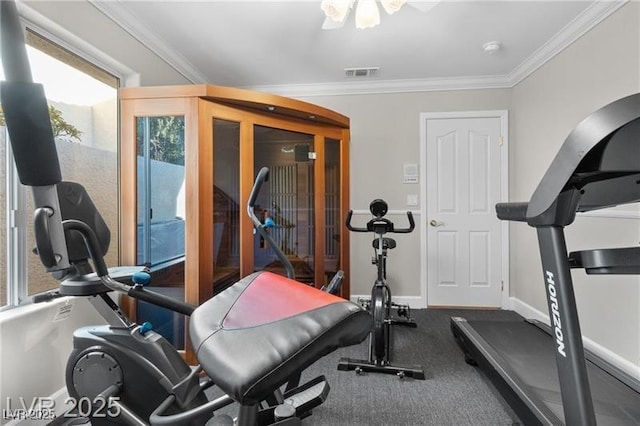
x=385, y=135
x=600, y=67
x=34, y=346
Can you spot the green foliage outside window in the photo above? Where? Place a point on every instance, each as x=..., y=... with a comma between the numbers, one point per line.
x=166, y=138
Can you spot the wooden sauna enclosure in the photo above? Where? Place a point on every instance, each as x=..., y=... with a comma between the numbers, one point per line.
x=189, y=156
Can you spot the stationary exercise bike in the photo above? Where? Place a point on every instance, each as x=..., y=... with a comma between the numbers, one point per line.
x=250, y=340
x=381, y=304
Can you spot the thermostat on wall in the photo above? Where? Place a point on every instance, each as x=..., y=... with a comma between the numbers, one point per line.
x=410, y=173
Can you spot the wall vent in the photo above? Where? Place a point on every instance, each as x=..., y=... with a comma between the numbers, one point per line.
x=361, y=72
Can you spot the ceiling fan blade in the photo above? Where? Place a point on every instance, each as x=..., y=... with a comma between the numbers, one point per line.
x=330, y=24
x=423, y=5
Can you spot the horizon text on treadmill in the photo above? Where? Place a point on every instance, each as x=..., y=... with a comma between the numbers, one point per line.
x=557, y=325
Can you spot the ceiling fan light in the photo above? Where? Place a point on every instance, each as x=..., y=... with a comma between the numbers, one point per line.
x=392, y=6
x=367, y=14
x=336, y=10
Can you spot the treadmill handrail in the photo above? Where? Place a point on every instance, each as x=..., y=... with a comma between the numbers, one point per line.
x=593, y=130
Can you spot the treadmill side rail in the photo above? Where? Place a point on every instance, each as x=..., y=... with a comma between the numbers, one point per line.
x=526, y=404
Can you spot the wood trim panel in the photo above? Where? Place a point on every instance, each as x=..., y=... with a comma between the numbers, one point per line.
x=127, y=198
x=128, y=191
x=344, y=208
x=246, y=182
x=242, y=98
x=155, y=92
x=226, y=112
x=319, y=210
x=130, y=110
x=199, y=204
x=275, y=104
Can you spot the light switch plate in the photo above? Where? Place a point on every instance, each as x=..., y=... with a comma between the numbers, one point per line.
x=412, y=199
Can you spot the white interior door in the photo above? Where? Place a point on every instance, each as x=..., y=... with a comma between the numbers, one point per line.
x=464, y=239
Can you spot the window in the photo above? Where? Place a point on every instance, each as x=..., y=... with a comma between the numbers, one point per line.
x=83, y=108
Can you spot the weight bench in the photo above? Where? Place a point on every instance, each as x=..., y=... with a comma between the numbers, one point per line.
x=259, y=333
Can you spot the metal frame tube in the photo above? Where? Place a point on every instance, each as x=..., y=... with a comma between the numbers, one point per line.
x=563, y=314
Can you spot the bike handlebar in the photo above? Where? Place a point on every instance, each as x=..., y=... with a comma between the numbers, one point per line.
x=412, y=225
x=381, y=225
x=353, y=228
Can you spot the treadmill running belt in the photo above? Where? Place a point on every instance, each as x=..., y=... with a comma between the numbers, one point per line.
x=526, y=351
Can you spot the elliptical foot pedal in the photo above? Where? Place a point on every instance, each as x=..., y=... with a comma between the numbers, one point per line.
x=308, y=396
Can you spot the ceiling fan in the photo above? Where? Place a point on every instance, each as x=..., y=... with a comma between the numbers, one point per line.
x=367, y=11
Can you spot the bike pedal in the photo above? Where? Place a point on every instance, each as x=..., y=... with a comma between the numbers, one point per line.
x=308, y=396
x=365, y=303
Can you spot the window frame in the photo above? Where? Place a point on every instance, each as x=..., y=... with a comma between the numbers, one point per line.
x=17, y=221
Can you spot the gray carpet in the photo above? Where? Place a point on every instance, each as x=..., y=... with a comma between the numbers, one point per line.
x=454, y=393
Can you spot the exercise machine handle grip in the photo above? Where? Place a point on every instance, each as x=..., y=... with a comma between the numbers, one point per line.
x=516, y=212
x=43, y=238
x=412, y=225
x=263, y=176
x=138, y=292
x=92, y=243
x=353, y=228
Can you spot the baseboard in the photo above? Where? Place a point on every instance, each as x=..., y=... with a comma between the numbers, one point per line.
x=612, y=358
x=414, y=302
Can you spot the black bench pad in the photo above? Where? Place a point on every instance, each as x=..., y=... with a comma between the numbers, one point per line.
x=252, y=337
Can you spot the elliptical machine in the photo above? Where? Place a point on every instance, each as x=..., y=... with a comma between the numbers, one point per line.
x=250, y=340
x=381, y=304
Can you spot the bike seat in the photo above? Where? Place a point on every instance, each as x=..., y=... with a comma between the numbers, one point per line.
x=387, y=243
x=251, y=338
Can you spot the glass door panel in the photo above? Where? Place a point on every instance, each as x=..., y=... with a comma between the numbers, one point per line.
x=161, y=216
x=286, y=202
x=226, y=203
x=332, y=217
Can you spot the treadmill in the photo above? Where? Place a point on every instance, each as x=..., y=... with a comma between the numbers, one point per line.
x=543, y=371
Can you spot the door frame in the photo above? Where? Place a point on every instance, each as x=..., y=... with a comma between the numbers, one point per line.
x=503, y=115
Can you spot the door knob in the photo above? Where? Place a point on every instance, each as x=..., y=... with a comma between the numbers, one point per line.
x=436, y=223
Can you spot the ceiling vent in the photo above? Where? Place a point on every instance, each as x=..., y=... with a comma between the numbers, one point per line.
x=361, y=72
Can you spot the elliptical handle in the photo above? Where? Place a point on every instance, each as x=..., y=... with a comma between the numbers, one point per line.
x=43, y=237
x=412, y=225
x=262, y=177
x=353, y=228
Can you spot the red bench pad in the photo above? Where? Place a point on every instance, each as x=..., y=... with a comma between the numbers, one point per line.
x=252, y=337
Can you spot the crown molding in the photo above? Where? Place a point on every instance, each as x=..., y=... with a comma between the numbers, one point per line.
x=588, y=19
x=599, y=10
x=385, y=86
x=120, y=14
